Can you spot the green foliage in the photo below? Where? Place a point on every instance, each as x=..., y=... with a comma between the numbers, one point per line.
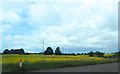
x=108, y=55
x=91, y=54
x=49, y=51
x=57, y=51
x=14, y=51
x=6, y=51
x=116, y=55
x=97, y=53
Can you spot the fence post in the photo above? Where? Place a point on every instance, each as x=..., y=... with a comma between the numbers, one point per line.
x=20, y=64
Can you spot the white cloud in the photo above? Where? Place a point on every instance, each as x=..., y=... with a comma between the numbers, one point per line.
x=12, y=1
x=1, y=14
x=18, y=41
x=11, y=18
x=37, y=11
x=6, y=27
x=68, y=23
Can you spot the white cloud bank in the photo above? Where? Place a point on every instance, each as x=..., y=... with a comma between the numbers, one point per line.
x=78, y=23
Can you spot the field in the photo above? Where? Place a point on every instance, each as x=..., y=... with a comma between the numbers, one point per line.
x=10, y=62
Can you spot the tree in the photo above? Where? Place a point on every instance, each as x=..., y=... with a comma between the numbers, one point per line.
x=49, y=51
x=6, y=51
x=73, y=54
x=27, y=53
x=116, y=55
x=12, y=51
x=21, y=51
x=85, y=53
x=78, y=53
x=99, y=54
x=91, y=54
x=57, y=51
x=82, y=53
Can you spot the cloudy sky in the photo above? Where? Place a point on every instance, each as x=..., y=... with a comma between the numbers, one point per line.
x=73, y=25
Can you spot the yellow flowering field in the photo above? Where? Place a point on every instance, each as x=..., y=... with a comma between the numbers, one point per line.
x=8, y=59
x=10, y=62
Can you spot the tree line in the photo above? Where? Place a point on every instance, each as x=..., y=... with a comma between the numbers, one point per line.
x=49, y=51
x=97, y=53
x=14, y=51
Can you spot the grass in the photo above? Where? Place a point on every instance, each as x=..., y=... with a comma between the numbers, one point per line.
x=108, y=55
x=10, y=62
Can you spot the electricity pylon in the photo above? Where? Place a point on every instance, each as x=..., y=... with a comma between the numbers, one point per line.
x=43, y=45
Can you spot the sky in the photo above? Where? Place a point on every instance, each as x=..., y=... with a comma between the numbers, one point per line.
x=76, y=26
